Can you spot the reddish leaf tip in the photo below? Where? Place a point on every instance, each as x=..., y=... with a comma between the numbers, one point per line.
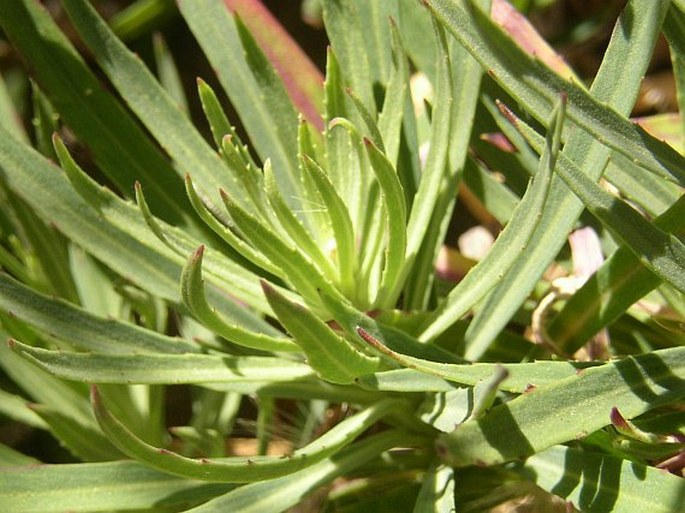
x=95, y=398
x=199, y=252
x=367, y=337
x=507, y=112
x=618, y=420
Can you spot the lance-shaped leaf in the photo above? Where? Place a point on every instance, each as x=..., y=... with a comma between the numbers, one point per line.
x=661, y=252
x=396, y=218
x=294, y=227
x=251, y=84
x=77, y=326
x=239, y=469
x=533, y=84
x=235, y=242
x=194, y=298
x=391, y=118
x=274, y=495
x=351, y=319
x=510, y=243
x=568, y=409
x=300, y=271
x=301, y=78
x=615, y=84
x=521, y=376
x=330, y=355
x=344, y=28
x=214, y=112
x=162, y=369
x=85, y=441
x=93, y=487
x=596, y=482
x=120, y=147
x=153, y=105
x=341, y=223
x=436, y=161
x=368, y=119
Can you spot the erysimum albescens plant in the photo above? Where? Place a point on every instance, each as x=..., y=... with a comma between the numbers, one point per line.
x=298, y=273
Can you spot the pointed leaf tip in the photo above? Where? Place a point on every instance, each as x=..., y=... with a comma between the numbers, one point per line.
x=95, y=398
x=368, y=337
x=507, y=112
x=199, y=253
x=618, y=420
x=267, y=288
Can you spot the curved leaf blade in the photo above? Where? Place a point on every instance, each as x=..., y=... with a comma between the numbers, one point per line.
x=567, y=409
x=239, y=469
x=330, y=355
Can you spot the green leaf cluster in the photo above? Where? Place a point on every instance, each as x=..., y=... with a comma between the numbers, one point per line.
x=265, y=309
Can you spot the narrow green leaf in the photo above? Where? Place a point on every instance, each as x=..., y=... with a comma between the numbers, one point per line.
x=596, y=483
x=674, y=25
x=216, y=117
x=368, y=118
x=396, y=219
x=294, y=227
x=300, y=271
x=240, y=469
x=465, y=81
x=568, y=409
x=17, y=408
x=391, y=118
x=161, y=369
x=86, y=442
x=275, y=495
x=153, y=105
x=330, y=355
x=341, y=224
x=436, y=161
x=119, y=145
x=301, y=78
x=168, y=72
x=490, y=270
x=255, y=92
x=532, y=84
x=194, y=298
x=72, y=324
x=659, y=251
x=520, y=376
x=94, y=487
x=235, y=242
x=344, y=29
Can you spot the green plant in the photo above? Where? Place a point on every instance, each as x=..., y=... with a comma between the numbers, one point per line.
x=306, y=265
